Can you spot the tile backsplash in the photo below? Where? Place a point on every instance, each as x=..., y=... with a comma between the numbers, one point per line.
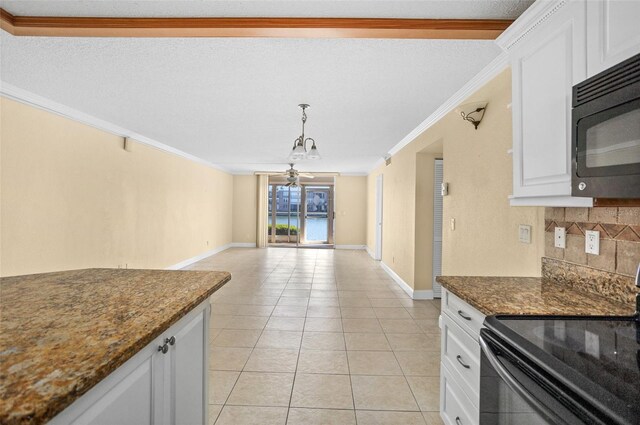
x=619, y=229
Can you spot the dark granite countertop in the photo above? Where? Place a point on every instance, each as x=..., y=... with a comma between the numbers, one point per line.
x=532, y=296
x=62, y=333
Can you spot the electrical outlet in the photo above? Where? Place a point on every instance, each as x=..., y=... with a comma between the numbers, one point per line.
x=524, y=233
x=560, y=238
x=592, y=242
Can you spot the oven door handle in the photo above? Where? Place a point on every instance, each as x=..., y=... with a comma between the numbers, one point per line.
x=515, y=386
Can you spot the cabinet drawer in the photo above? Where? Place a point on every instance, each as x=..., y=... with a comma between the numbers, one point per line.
x=461, y=354
x=455, y=406
x=467, y=317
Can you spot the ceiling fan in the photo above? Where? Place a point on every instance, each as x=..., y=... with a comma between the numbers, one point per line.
x=293, y=176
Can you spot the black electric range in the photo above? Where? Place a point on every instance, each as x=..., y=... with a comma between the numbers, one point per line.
x=560, y=370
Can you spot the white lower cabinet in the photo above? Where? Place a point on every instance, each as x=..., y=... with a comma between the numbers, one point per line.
x=164, y=383
x=460, y=362
x=455, y=407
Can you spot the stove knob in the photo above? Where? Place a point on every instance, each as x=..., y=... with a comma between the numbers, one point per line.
x=582, y=185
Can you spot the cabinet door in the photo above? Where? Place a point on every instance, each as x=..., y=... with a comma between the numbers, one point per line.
x=127, y=396
x=189, y=370
x=614, y=33
x=545, y=67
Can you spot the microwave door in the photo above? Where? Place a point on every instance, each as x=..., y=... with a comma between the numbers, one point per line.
x=608, y=142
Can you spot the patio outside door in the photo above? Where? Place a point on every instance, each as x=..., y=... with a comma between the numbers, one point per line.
x=318, y=215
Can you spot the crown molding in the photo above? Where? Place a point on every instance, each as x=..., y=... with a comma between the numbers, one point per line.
x=354, y=174
x=24, y=96
x=375, y=165
x=485, y=75
x=535, y=15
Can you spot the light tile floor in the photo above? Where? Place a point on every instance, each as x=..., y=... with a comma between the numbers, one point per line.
x=318, y=336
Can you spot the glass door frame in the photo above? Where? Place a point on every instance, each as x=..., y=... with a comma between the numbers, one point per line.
x=272, y=237
x=330, y=213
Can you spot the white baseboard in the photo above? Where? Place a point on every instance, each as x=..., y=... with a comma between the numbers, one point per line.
x=423, y=294
x=370, y=252
x=349, y=247
x=416, y=295
x=243, y=245
x=199, y=257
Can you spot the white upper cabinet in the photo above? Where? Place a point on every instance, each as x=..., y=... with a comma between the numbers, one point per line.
x=613, y=33
x=547, y=48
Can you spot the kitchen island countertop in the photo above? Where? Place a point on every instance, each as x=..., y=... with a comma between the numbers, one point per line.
x=61, y=333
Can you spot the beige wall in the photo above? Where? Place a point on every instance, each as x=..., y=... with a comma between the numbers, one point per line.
x=351, y=210
x=245, y=207
x=478, y=170
x=73, y=198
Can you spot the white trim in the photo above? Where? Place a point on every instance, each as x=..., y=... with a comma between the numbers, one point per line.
x=242, y=245
x=426, y=294
x=355, y=174
x=404, y=285
x=535, y=15
x=484, y=76
x=349, y=247
x=15, y=93
x=423, y=294
x=550, y=201
x=378, y=163
x=370, y=252
x=199, y=257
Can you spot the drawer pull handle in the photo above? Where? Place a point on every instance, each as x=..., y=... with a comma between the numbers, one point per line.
x=163, y=348
x=170, y=341
x=464, y=365
x=463, y=315
x=458, y=421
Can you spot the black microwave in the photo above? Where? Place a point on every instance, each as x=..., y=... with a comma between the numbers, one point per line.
x=606, y=133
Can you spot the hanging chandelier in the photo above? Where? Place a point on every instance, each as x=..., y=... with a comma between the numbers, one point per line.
x=299, y=151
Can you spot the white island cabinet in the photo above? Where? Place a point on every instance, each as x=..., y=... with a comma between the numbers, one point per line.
x=460, y=361
x=164, y=383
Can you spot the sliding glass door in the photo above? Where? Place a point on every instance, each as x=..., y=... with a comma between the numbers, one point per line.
x=300, y=215
x=318, y=215
x=284, y=214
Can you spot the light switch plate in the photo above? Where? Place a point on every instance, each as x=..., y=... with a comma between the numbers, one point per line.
x=560, y=238
x=592, y=242
x=524, y=232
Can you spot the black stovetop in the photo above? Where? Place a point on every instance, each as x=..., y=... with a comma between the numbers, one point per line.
x=597, y=358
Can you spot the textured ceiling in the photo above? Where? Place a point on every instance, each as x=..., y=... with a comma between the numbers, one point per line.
x=233, y=102
x=467, y=9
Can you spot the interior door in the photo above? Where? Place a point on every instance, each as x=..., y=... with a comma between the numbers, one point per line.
x=318, y=215
x=378, y=252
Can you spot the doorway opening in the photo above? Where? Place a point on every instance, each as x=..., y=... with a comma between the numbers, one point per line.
x=301, y=215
